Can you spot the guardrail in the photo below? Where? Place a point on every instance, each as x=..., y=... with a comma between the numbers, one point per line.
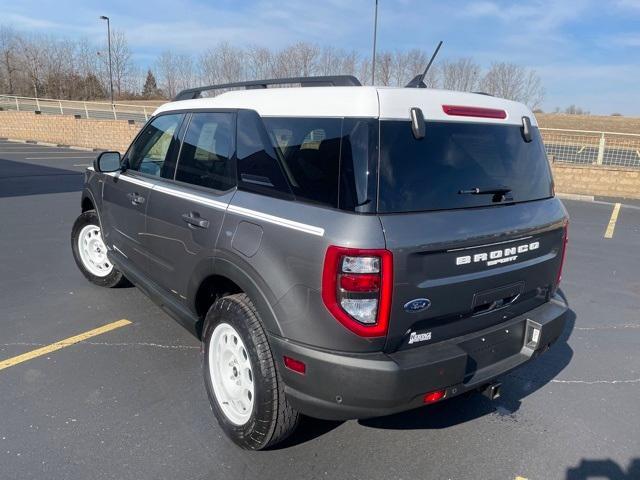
x=99, y=110
x=585, y=147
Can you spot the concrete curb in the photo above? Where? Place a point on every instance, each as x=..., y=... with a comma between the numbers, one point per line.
x=625, y=202
x=48, y=144
x=575, y=196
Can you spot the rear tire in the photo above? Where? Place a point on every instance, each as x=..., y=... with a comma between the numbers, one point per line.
x=244, y=388
x=90, y=252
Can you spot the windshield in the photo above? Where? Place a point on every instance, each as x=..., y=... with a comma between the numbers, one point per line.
x=459, y=165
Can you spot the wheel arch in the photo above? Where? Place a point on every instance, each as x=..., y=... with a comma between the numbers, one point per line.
x=228, y=277
x=87, y=203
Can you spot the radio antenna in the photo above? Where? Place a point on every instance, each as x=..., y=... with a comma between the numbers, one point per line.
x=418, y=80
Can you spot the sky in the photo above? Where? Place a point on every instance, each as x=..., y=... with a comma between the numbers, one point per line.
x=587, y=52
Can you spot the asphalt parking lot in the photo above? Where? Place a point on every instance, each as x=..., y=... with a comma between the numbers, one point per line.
x=130, y=403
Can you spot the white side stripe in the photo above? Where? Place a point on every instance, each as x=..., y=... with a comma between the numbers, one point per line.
x=284, y=222
x=192, y=197
x=135, y=181
x=245, y=212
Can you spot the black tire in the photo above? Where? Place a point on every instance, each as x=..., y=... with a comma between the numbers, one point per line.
x=115, y=278
x=272, y=419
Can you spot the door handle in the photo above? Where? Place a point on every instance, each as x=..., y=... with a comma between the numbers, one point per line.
x=135, y=198
x=194, y=220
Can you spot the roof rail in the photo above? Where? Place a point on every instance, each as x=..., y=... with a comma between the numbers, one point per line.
x=320, y=81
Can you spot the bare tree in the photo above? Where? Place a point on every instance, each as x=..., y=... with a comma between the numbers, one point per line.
x=258, y=62
x=8, y=59
x=349, y=63
x=515, y=82
x=384, y=68
x=400, y=68
x=176, y=72
x=329, y=61
x=416, y=63
x=86, y=61
x=223, y=63
x=462, y=75
x=305, y=58
x=121, y=62
x=41, y=65
x=32, y=61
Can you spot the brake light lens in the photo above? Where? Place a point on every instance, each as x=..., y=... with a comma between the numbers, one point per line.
x=357, y=287
x=462, y=111
x=565, y=239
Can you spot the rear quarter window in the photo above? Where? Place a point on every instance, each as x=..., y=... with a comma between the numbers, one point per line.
x=328, y=161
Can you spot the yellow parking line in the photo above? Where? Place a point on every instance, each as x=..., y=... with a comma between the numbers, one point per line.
x=612, y=222
x=10, y=362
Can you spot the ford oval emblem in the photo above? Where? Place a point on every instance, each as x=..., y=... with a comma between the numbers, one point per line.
x=417, y=305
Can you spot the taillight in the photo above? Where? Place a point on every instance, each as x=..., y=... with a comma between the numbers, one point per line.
x=565, y=239
x=356, y=288
x=462, y=111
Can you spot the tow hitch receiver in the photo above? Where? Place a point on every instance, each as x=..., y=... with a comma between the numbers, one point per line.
x=492, y=391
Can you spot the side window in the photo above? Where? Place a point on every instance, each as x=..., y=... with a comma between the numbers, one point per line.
x=258, y=167
x=206, y=158
x=310, y=150
x=359, y=165
x=153, y=152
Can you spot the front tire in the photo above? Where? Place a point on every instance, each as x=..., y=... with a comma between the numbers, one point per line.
x=242, y=381
x=90, y=252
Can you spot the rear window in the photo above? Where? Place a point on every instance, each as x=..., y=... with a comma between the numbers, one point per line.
x=428, y=174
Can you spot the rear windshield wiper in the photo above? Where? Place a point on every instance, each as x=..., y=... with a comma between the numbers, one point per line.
x=486, y=191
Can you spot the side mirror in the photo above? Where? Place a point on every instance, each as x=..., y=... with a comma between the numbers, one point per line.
x=417, y=123
x=107, y=162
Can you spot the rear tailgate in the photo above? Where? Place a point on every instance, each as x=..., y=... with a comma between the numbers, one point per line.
x=476, y=267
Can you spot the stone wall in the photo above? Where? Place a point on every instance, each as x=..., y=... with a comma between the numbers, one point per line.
x=594, y=180
x=67, y=130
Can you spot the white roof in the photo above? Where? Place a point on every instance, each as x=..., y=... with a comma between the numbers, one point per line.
x=382, y=102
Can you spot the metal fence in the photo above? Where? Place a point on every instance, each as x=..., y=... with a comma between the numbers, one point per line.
x=592, y=148
x=100, y=110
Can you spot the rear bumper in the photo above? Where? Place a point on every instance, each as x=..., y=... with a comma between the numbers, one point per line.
x=341, y=386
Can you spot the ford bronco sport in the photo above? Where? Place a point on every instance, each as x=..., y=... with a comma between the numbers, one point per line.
x=342, y=251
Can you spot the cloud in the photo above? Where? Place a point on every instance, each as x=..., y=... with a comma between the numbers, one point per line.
x=625, y=40
x=632, y=4
x=23, y=22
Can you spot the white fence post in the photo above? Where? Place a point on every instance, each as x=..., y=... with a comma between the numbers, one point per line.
x=61, y=110
x=37, y=103
x=144, y=109
x=115, y=117
x=601, y=150
x=17, y=104
x=86, y=110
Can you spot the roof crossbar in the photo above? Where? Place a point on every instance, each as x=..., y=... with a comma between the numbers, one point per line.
x=320, y=81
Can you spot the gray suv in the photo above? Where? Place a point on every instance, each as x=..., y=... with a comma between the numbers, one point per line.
x=342, y=251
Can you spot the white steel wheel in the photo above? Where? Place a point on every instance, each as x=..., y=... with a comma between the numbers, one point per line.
x=231, y=374
x=93, y=252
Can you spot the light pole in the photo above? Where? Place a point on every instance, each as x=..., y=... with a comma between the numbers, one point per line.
x=375, y=34
x=102, y=17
